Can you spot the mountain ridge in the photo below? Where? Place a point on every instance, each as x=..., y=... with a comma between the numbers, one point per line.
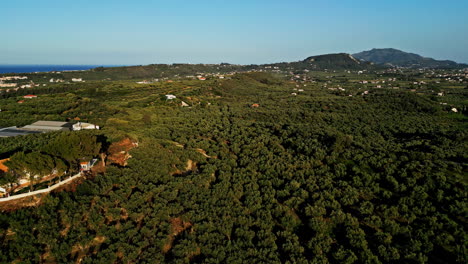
x=375, y=59
x=398, y=58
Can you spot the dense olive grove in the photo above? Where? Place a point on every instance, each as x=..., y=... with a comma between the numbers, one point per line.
x=312, y=178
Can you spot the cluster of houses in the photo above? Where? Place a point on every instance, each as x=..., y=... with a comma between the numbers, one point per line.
x=4, y=84
x=44, y=127
x=172, y=97
x=52, y=80
x=13, y=85
x=13, y=78
x=197, y=77
x=57, y=80
x=461, y=76
x=8, y=85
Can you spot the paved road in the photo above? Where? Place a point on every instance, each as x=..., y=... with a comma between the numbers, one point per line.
x=47, y=190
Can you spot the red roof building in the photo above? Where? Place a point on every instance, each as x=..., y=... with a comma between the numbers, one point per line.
x=3, y=168
x=29, y=96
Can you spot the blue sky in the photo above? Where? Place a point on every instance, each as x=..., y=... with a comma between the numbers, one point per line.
x=256, y=31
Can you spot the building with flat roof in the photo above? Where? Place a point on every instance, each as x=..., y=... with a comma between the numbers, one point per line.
x=14, y=131
x=47, y=126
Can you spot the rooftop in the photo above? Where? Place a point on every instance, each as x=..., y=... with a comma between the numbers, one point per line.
x=48, y=126
x=13, y=131
x=51, y=123
x=45, y=128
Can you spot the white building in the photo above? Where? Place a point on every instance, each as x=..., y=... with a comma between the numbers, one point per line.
x=81, y=126
x=170, y=96
x=87, y=165
x=9, y=78
x=5, y=85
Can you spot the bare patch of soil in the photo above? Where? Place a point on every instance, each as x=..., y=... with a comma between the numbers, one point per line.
x=177, y=226
x=119, y=151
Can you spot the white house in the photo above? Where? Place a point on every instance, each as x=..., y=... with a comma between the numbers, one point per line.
x=170, y=96
x=87, y=165
x=77, y=79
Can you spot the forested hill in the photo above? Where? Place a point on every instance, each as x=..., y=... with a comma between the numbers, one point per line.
x=400, y=58
x=337, y=61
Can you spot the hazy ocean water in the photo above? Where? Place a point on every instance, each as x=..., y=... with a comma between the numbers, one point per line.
x=44, y=68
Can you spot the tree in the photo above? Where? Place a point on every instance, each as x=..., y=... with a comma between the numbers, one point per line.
x=73, y=147
x=33, y=165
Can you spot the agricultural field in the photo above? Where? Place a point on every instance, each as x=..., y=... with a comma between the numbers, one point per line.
x=257, y=167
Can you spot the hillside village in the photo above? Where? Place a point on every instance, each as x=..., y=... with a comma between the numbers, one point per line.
x=22, y=82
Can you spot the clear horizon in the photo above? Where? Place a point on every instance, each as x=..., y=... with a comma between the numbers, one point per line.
x=144, y=32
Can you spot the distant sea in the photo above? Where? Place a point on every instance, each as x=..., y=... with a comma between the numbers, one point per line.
x=45, y=68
